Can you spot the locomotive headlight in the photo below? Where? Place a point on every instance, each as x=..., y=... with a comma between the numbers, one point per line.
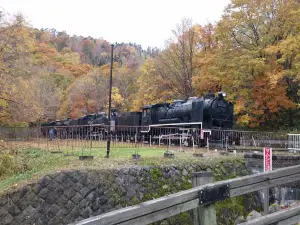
x=224, y=94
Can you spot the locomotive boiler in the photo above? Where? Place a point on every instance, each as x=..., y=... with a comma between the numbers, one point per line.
x=207, y=112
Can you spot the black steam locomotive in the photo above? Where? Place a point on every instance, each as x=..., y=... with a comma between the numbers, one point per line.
x=205, y=113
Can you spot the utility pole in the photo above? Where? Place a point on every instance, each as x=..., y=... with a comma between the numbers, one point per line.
x=109, y=102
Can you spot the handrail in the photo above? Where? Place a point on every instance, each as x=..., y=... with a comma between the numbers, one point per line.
x=284, y=217
x=164, y=207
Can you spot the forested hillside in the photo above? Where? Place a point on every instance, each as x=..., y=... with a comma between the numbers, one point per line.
x=252, y=53
x=46, y=74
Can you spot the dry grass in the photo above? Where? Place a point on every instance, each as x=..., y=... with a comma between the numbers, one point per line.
x=38, y=159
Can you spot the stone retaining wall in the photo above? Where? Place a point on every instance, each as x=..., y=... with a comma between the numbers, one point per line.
x=69, y=196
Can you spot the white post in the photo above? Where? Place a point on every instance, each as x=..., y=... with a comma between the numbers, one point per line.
x=207, y=144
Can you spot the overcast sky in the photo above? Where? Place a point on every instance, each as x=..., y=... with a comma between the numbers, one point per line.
x=148, y=23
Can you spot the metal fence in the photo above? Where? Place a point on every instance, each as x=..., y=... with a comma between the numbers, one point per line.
x=96, y=136
x=248, y=140
x=91, y=137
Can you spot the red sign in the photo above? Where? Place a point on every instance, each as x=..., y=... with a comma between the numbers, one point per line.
x=267, y=159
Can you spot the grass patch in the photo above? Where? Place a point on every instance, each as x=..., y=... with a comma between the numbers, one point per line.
x=29, y=162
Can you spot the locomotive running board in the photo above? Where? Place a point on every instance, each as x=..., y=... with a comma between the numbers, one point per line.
x=170, y=124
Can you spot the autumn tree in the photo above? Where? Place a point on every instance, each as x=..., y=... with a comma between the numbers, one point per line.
x=176, y=63
x=16, y=67
x=254, y=78
x=151, y=87
x=205, y=79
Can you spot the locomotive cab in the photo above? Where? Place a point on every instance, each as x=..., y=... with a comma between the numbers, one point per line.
x=146, y=115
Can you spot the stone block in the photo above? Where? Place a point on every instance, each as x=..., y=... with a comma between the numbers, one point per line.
x=102, y=199
x=75, y=176
x=15, y=197
x=55, y=221
x=32, y=218
x=61, y=201
x=85, y=181
x=13, y=210
x=98, y=212
x=3, y=212
x=67, y=183
x=43, y=207
x=95, y=205
x=22, y=205
x=60, y=178
x=84, y=191
x=43, y=193
x=125, y=170
x=78, y=186
x=86, y=213
x=17, y=220
x=77, y=198
x=52, y=198
x=36, y=188
x=51, y=212
x=69, y=205
x=100, y=191
x=75, y=212
x=4, y=200
x=91, y=196
x=31, y=199
x=28, y=212
x=39, y=222
x=119, y=181
x=70, y=193
x=44, y=219
x=131, y=193
x=62, y=212
x=6, y=220
x=45, y=181
x=83, y=204
x=52, y=185
x=23, y=191
x=122, y=190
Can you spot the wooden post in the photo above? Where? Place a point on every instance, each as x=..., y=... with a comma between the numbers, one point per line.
x=204, y=215
x=266, y=201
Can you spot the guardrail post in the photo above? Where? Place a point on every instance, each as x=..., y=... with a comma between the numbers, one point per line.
x=266, y=201
x=204, y=215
